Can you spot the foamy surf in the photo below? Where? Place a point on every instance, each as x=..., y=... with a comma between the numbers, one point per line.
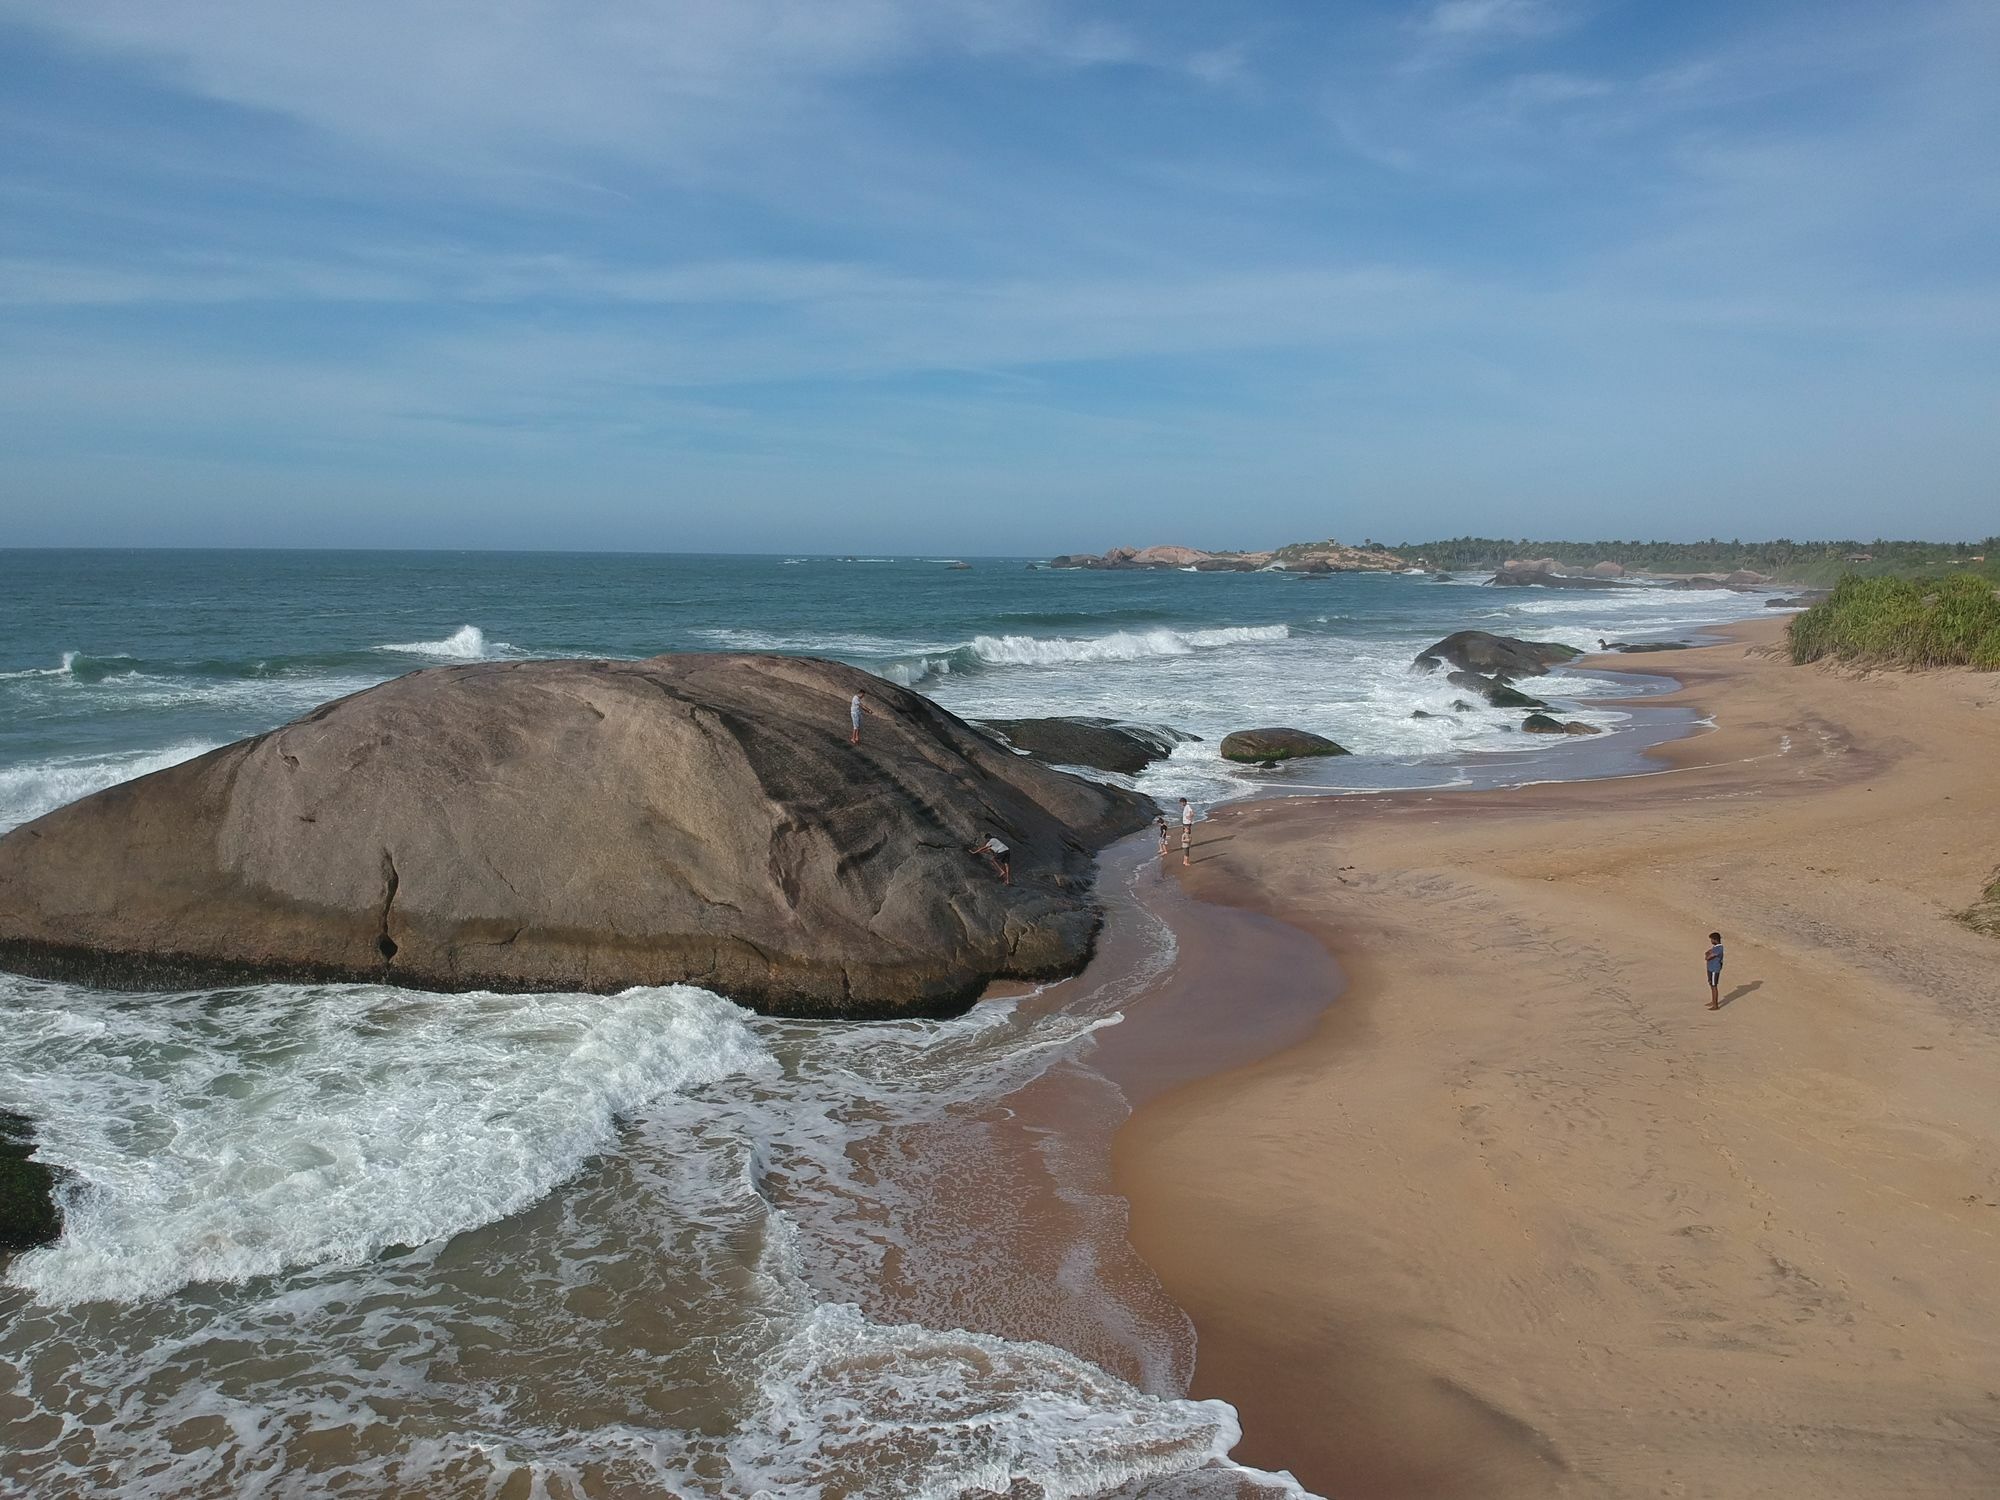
x=27, y=792
x=220, y=1138
x=467, y=643
x=1123, y=645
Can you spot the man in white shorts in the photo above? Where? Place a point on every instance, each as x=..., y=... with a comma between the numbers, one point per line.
x=854, y=712
x=996, y=852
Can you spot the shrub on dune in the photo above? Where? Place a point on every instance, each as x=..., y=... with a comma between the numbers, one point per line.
x=1952, y=621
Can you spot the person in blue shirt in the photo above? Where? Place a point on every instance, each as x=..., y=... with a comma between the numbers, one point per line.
x=1714, y=957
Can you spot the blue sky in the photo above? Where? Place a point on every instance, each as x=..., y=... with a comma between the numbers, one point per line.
x=995, y=275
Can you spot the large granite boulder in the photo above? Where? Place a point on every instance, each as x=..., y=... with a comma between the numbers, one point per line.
x=28, y=1212
x=1103, y=744
x=1501, y=656
x=581, y=825
x=1258, y=745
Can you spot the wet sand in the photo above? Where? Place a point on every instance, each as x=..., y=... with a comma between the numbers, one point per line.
x=1520, y=1216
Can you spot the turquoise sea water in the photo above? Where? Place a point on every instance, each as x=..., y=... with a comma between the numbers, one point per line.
x=357, y=1240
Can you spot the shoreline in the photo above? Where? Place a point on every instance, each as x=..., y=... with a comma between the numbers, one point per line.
x=1509, y=1221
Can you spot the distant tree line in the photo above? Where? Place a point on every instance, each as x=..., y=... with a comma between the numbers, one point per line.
x=1784, y=559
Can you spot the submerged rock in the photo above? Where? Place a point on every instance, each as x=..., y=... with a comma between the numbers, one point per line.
x=28, y=1212
x=1273, y=745
x=1546, y=724
x=580, y=825
x=1104, y=744
x=1497, y=693
x=1494, y=655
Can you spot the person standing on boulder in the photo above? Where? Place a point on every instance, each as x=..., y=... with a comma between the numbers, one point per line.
x=855, y=709
x=1187, y=830
x=1714, y=957
x=996, y=852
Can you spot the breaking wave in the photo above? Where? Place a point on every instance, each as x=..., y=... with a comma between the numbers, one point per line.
x=229, y=1136
x=26, y=792
x=467, y=643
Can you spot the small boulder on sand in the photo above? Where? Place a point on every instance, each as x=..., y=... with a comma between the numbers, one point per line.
x=1261, y=745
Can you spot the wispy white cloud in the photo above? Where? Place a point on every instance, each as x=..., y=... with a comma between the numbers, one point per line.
x=1480, y=23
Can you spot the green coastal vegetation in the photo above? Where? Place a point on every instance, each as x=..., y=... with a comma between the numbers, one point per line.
x=1813, y=564
x=1984, y=914
x=1948, y=621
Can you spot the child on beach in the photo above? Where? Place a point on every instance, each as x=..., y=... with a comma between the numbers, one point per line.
x=1714, y=957
x=1161, y=824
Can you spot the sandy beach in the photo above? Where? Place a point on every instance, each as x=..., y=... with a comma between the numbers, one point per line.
x=1521, y=1216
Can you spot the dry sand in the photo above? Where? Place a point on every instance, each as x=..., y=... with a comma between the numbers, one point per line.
x=1522, y=1216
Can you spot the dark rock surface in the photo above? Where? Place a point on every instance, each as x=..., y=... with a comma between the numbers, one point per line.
x=1276, y=744
x=1500, y=656
x=1542, y=724
x=28, y=1212
x=1544, y=574
x=1497, y=693
x=1105, y=744
x=1644, y=647
x=581, y=825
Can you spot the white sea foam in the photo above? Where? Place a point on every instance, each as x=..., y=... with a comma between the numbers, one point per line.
x=28, y=791
x=218, y=1138
x=64, y=668
x=1123, y=645
x=467, y=643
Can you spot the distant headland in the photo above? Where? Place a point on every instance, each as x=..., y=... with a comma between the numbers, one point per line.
x=1708, y=564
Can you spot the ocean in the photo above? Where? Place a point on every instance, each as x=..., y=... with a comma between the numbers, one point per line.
x=355, y=1240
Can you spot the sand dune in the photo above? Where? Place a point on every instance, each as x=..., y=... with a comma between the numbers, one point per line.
x=1523, y=1217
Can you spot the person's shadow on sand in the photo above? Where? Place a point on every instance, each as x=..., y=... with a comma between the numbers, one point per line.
x=1198, y=858
x=1741, y=990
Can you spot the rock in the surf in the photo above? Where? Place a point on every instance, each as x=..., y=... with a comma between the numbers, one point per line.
x=1499, y=656
x=1497, y=693
x=28, y=1212
x=581, y=825
x=1272, y=745
x=1542, y=724
x=1078, y=740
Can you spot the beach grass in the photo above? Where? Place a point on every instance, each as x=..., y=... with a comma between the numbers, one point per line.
x=1948, y=621
x=1984, y=914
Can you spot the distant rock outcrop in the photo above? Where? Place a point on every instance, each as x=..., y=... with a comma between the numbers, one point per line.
x=1312, y=558
x=1259, y=745
x=1103, y=744
x=581, y=825
x=1546, y=573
